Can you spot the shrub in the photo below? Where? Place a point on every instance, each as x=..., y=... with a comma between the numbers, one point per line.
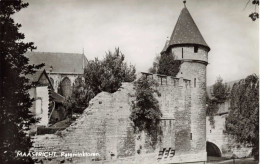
x=108, y=74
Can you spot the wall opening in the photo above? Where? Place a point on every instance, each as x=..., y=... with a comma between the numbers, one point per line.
x=212, y=150
x=182, y=53
x=196, y=48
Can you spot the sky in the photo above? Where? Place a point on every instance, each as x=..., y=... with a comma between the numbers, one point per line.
x=140, y=28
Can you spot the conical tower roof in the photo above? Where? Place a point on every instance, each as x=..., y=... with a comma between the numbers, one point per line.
x=186, y=31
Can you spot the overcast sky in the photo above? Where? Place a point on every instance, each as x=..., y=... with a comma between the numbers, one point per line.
x=140, y=29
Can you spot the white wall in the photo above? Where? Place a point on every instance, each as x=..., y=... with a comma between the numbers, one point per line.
x=42, y=104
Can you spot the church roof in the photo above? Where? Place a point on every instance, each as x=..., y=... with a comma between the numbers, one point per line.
x=186, y=31
x=66, y=63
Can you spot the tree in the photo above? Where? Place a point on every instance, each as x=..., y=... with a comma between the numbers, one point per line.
x=254, y=15
x=15, y=101
x=145, y=111
x=220, y=93
x=108, y=74
x=168, y=65
x=81, y=95
x=220, y=90
x=243, y=119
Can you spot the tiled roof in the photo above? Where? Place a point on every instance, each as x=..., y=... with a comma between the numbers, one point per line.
x=186, y=31
x=60, y=62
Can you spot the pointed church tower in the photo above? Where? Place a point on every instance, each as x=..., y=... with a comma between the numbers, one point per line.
x=188, y=45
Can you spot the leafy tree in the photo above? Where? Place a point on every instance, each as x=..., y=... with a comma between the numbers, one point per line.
x=15, y=101
x=81, y=95
x=254, y=15
x=108, y=74
x=220, y=90
x=243, y=119
x=168, y=65
x=145, y=110
x=220, y=94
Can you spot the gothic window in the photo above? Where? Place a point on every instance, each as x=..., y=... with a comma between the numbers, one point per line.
x=190, y=136
x=194, y=82
x=196, y=49
x=66, y=88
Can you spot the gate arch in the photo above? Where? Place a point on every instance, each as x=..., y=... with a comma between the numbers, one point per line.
x=212, y=149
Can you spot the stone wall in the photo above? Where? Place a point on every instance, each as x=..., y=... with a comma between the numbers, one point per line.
x=196, y=72
x=105, y=128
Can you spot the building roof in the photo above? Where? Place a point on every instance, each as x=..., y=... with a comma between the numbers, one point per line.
x=38, y=76
x=186, y=31
x=57, y=97
x=70, y=63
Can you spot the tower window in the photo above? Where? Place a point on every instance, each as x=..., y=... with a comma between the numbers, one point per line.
x=196, y=48
x=190, y=136
x=194, y=82
x=182, y=53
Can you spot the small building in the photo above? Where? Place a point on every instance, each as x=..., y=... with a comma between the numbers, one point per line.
x=45, y=97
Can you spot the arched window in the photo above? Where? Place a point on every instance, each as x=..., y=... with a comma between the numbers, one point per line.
x=66, y=88
x=194, y=82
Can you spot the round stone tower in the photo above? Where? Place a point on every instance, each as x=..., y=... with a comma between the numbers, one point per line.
x=187, y=44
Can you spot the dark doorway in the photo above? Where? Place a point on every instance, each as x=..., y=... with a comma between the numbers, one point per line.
x=213, y=150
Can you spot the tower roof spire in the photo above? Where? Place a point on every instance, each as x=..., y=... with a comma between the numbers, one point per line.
x=186, y=31
x=184, y=2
